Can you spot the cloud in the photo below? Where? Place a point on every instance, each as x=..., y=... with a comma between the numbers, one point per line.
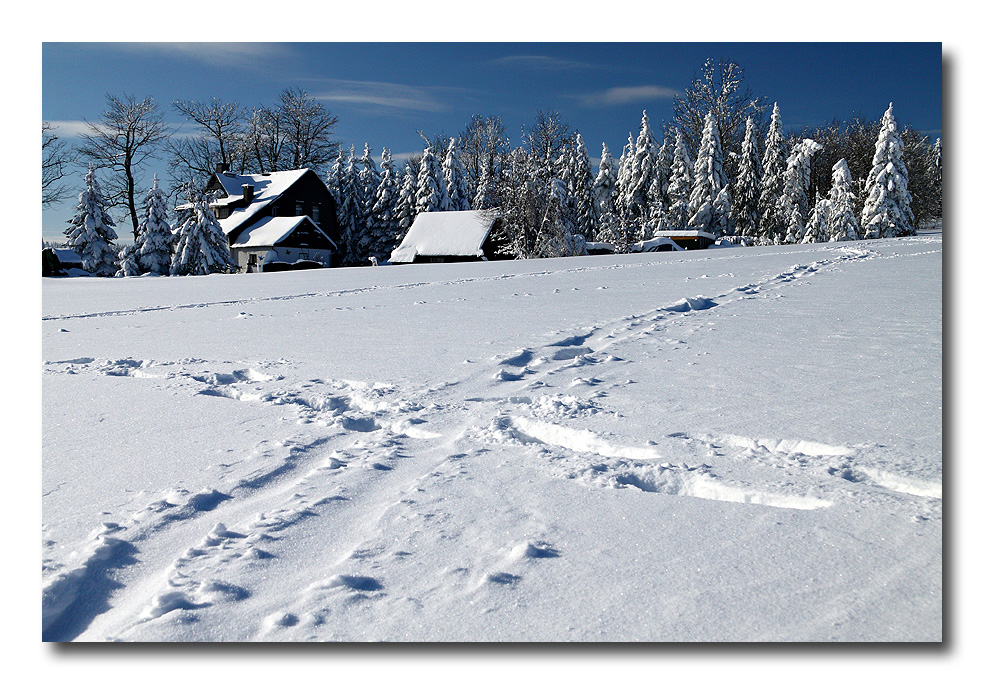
x=542, y=62
x=627, y=95
x=69, y=129
x=394, y=96
x=214, y=54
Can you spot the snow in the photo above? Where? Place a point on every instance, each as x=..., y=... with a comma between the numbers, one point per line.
x=718, y=445
x=445, y=233
x=269, y=231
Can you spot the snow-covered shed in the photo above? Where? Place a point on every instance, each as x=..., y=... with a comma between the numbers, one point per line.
x=57, y=261
x=442, y=236
x=688, y=239
x=284, y=216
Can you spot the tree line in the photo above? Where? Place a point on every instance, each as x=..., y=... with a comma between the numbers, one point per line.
x=723, y=165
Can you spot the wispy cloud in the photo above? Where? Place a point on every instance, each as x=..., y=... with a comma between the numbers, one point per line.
x=214, y=54
x=69, y=129
x=391, y=96
x=627, y=95
x=542, y=63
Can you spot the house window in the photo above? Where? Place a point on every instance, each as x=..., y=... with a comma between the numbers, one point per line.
x=316, y=213
x=273, y=211
x=298, y=208
x=303, y=255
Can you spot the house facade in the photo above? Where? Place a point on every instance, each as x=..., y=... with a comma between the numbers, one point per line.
x=278, y=218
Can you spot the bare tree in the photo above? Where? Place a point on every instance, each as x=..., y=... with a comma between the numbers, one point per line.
x=218, y=140
x=294, y=134
x=719, y=90
x=56, y=159
x=548, y=137
x=129, y=133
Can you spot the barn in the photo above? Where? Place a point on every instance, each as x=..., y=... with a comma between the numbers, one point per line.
x=448, y=236
x=688, y=239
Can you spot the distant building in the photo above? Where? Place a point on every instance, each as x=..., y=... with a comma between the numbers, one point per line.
x=276, y=220
x=688, y=239
x=446, y=236
x=60, y=262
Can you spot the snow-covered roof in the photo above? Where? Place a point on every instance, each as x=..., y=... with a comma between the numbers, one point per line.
x=683, y=233
x=266, y=188
x=67, y=256
x=270, y=230
x=445, y=233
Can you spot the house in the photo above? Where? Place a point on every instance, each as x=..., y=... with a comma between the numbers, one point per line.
x=285, y=218
x=688, y=239
x=60, y=262
x=445, y=236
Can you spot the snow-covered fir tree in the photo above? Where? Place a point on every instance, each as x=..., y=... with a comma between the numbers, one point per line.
x=842, y=223
x=334, y=178
x=623, y=176
x=709, y=181
x=580, y=195
x=604, y=183
x=818, y=225
x=795, y=202
x=886, y=211
x=369, y=178
x=202, y=247
x=382, y=218
x=486, y=196
x=351, y=219
x=406, y=203
x=722, y=213
x=937, y=177
x=681, y=184
x=659, y=190
x=126, y=262
x=771, y=226
x=745, y=198
x=91, y=232
x=642, y=171
x=154, y=236
x=456, y=179
x=432, y=192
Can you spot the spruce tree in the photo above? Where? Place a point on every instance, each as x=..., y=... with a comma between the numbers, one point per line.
x=842, y=223
x=432, y=192
x=623, y=177
x=643, y=171
x=818, y=226
x=202, y=247
x=382, y=218
x=886, y=211
x=485, y=194
x=709, y=181
x=771, y=227
x=351, y=219
x=745, y=200
x=91, y=232
x=456, y=179
x=368, y=181
x=406, y=204
x=154, y=236
x=127, y=261
x=681, y=184
x=794, y=203
x=580, y=195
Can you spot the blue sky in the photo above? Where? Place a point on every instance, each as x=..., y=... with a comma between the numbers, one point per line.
x=383, y=93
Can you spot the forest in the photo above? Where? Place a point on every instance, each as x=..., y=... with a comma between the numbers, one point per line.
x=722, y=165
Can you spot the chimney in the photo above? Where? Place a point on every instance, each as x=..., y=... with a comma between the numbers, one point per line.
x=221, y=167
x=247, y=193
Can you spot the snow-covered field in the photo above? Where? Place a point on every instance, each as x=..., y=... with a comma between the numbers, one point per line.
x=727, y=445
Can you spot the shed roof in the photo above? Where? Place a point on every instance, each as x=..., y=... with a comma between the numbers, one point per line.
x=445, y=233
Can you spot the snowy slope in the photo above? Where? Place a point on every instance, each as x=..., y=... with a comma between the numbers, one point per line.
x=734, y=444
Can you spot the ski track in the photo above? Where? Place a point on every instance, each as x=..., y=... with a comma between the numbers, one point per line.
x=380, y=441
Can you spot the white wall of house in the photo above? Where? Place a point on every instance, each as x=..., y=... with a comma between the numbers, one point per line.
x=251, y=259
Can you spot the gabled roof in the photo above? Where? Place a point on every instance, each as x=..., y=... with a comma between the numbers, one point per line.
x=267, y=187
x=271, y=230
x=445, y=233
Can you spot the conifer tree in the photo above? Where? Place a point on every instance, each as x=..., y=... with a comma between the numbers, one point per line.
x=368, y=180
x=485, y=194
x=456, y=179
x=202, y=247
x=794, y=203
x=886, y=211
x=154, y=236
x=818, y=226
x=580, y=196
x=681, y=184
x=351, y=219
x=722, y=213
x=842, y=223
x=91, y=232
x=603, y=188
x=643, y=171
x=432, y=193
x=623, y=177
x=382, y=218
x=745, y=200
x=659, y=189
x=127, y=261
x=557, y=236
x=406, y=204
x=709, y=181
x=771, y=227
